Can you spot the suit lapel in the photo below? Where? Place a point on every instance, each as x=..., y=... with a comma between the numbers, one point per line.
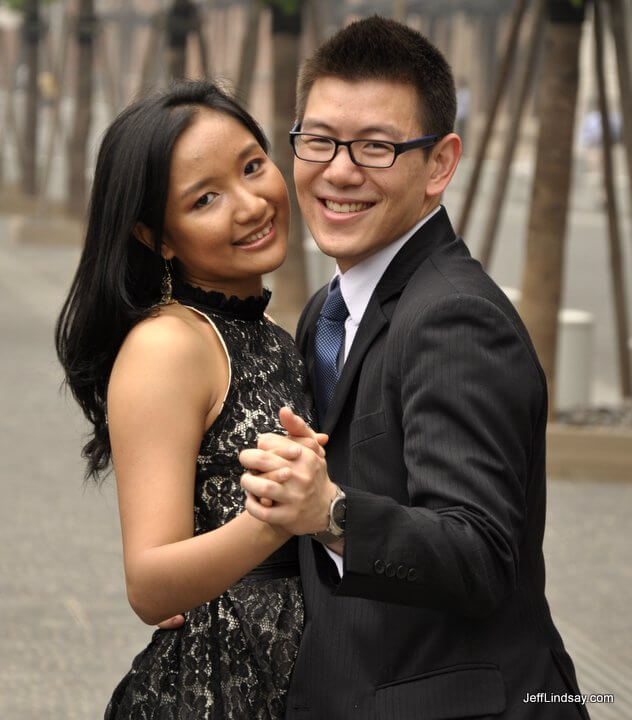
x=371, y=325
x=436, y=232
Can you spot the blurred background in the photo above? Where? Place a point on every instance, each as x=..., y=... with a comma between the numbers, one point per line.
x=542, y=197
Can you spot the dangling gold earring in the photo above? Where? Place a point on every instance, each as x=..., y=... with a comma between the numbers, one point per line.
x=166, y=286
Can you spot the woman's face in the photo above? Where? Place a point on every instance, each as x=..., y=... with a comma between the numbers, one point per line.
x=227, y=212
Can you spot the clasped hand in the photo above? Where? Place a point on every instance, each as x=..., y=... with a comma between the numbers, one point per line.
x=292, y=488
x=286, y=478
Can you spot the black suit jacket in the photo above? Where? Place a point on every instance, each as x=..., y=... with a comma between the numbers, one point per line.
x=437, y=435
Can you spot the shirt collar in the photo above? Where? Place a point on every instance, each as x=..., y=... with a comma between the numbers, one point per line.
x=359, y=282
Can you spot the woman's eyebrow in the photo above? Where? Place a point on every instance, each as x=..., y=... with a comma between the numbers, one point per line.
x=199, y=184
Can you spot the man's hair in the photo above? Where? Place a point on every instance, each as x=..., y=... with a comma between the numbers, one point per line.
x=379, y=49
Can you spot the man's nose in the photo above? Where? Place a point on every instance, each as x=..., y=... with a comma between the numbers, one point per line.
x=342, y=170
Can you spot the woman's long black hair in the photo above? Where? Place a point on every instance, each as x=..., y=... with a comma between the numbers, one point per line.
x=118, y=278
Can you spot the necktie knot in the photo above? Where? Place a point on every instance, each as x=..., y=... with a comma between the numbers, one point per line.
x=335, y=308
x=330, y=333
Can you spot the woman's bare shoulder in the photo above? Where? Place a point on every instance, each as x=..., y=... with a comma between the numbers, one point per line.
x=168, y=345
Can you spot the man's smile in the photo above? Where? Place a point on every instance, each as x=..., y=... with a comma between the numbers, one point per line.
x=346, y=206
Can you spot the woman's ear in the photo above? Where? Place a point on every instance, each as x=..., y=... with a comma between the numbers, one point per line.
x=144, y=235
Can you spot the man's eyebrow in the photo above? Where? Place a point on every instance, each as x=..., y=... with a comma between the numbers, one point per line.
x=208, y=179
x=384, y=128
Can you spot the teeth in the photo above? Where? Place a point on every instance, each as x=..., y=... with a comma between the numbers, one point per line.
x=346, y=207
x=257, y=236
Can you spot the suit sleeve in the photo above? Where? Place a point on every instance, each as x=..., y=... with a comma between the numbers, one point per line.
x=473, y=402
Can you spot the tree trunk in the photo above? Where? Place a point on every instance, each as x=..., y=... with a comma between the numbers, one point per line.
x=31, y=30
x=181, y=20
x=500, y=88
x=149, y=70
x=620, y=16
x=542, y=278
x=513, y=136
x=198, y=30
x=77, y=147
x=8, y=125
x=249, y=49
x=321, y=22
x=617, y=263
x=54, y=120
x=290, y=280
x=400, y=10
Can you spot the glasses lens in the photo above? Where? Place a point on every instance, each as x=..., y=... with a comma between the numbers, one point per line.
x=373, y=153
x=314, y=147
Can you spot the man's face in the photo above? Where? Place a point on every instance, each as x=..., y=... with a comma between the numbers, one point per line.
x=353, y=211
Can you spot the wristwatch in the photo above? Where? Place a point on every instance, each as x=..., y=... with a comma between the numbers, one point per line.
x=337, y=517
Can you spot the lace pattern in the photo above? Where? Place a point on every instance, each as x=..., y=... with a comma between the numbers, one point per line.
x=233, y=657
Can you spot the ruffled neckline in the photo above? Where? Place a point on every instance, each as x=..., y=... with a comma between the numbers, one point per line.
x=250, y=308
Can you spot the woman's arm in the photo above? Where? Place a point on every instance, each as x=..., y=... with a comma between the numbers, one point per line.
x=166, y=388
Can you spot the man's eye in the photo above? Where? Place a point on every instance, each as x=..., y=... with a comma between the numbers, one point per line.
x=206, y=199
x=252, y=166
x=376, y=147
x=317, y=142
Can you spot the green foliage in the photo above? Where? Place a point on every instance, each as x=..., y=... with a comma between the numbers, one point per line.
x=576, y=3
x=288, y=7
x=21, y=4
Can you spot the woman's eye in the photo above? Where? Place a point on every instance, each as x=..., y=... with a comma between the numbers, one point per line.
x=206, y=199
x=253, y=166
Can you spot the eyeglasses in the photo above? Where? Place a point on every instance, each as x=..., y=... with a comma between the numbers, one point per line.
x=366, y=153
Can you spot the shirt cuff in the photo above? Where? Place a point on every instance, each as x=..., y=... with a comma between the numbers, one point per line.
x=337, y=559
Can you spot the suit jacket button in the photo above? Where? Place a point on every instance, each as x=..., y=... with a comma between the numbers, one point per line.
x=413, y=575
x=401, y=572
x=379, y=566
x=390, y=570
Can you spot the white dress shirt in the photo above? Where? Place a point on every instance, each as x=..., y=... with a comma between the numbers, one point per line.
x=357, y=285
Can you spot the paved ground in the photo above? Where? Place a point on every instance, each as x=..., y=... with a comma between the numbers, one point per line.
x=66, y=632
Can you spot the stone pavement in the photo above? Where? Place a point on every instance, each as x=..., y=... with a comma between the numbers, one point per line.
x=67, y=634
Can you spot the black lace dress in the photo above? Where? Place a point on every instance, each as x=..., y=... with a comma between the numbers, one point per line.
x=233, y=657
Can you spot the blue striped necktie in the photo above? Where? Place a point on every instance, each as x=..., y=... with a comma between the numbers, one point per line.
x=330, y=333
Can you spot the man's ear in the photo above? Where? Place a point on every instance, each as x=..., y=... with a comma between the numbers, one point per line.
x=143, y=234
x=444, y=160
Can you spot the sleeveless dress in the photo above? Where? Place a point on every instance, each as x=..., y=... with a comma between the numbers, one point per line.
x=234, y=656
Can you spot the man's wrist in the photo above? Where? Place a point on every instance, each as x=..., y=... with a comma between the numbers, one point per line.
x=336, y=519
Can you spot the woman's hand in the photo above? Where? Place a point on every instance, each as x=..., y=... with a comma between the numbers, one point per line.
x=299, y=432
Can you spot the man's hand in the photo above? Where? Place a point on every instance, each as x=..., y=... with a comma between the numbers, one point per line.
x=292, y=488
x=173, y=623
x=299, y=431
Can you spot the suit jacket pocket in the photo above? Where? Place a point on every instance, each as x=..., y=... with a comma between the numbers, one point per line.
x=462, y=691
x=366, y=427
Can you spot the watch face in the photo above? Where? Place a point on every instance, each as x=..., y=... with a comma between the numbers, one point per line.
x=339, y=512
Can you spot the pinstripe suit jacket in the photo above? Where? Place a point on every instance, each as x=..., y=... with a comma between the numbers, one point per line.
x=437, y=435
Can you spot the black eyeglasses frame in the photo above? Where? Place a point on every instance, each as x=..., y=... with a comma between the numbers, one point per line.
x=399, y=147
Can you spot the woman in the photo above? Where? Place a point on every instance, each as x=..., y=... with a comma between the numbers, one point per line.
x=167, y=349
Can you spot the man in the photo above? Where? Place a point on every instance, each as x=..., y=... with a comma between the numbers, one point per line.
x=431, y=500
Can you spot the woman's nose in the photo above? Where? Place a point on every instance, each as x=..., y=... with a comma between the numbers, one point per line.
x=250, y=206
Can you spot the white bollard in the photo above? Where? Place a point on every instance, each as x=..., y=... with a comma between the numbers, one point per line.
x=573, y=367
